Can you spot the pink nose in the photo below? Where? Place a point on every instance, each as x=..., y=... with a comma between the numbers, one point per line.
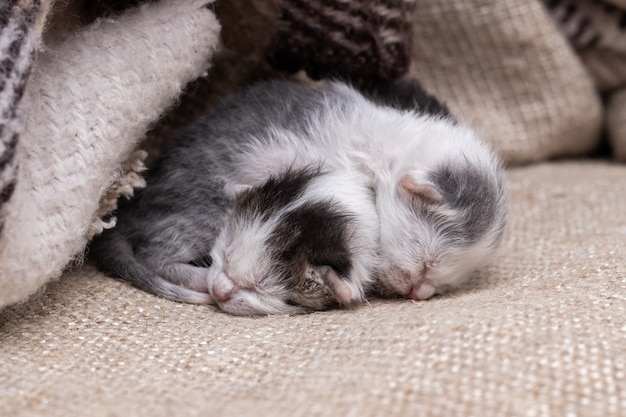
x=423, y=290
x=222, y=289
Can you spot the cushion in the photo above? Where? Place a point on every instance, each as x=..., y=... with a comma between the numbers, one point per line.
x=503, y=67
x=538, y=332
x=616, y=123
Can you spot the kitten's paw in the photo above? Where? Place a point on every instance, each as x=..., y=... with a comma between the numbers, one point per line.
x=222, y=288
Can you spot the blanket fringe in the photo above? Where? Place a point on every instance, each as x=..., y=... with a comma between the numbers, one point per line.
x=128, y=180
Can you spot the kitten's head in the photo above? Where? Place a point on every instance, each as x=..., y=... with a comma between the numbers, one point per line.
x=451, y=212
x=289, y=247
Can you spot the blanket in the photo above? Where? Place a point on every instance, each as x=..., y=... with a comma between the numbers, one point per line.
x=88, y=102
x=21, y=24
x=597, y=31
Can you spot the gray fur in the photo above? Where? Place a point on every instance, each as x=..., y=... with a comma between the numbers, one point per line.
x=476, y=198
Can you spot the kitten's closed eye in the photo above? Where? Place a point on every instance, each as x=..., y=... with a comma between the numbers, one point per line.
x=294, y=303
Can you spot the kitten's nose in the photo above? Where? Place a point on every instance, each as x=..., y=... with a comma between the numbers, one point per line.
x=423, y=290
x=222, y=289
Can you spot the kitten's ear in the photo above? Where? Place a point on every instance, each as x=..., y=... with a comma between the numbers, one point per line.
x=416, y=184
x=344, y=293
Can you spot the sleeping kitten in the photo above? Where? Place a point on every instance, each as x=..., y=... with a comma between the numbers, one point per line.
x=442, y=199
x=392, y=157
x=305, y=239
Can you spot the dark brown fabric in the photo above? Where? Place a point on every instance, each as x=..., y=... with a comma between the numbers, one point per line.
x=362, y=40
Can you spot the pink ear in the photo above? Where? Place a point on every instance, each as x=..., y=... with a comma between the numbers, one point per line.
x=343, y=292
x=423, y=190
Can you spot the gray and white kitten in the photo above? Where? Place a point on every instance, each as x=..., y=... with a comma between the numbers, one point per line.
x=388, y=186
x=305, y=238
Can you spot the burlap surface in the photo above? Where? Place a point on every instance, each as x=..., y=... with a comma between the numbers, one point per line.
x=541, y=333
x=504, y=67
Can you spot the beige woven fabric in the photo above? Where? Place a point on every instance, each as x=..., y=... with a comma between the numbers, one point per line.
x=503, y=66
x=541, y=333
x=247, y=27
x=607, y=67
x=616, y=124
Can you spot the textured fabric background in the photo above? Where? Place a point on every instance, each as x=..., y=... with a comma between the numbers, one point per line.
x=89, y=101
x=21, y=24
x=504, y=67
x=616, y=124
x=501, y=65
x=597, y=30
x=363, y=39
x=542, y=332
x=619, y=3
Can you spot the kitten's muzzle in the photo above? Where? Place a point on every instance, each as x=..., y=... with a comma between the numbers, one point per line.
x=414, y=286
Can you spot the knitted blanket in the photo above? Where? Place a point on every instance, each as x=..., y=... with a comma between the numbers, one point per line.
x=369, y=41
x=21, y=24
x=88, y=102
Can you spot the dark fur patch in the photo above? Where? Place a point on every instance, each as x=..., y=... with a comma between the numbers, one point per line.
x=406, y=95
x=311, y=236
x=7, y=190
x=471, y=193
x=276, y=193
x=9, y=150
x=205, y=261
